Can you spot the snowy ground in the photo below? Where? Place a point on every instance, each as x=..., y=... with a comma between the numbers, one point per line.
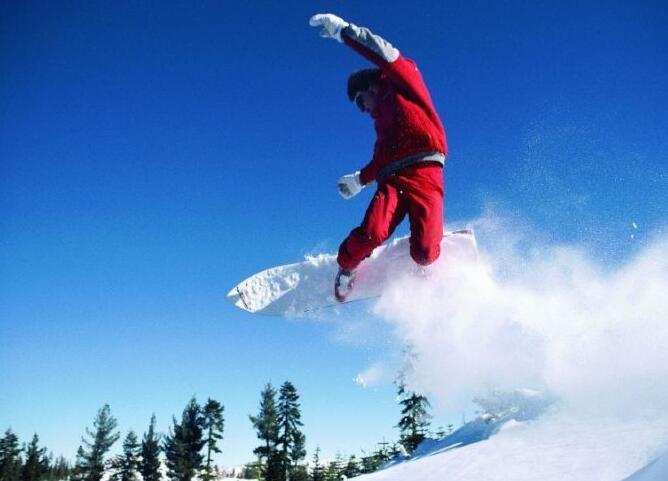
x=558, y=445
x=657, y=470
x=554, y=318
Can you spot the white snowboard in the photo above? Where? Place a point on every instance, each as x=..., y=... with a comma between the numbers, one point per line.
x=294, y=289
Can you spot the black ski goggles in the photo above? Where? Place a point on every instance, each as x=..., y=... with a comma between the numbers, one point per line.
x=359, y=101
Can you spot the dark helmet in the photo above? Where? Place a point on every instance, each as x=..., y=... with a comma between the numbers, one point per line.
x=361, y=80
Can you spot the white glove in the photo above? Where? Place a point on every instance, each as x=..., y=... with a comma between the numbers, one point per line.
x=350, y=185
x=330, y=23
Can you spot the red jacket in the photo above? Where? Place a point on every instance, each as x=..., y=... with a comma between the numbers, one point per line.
x=407, y=125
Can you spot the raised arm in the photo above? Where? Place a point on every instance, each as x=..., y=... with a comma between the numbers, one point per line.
x=372, y=47
x=400, y=70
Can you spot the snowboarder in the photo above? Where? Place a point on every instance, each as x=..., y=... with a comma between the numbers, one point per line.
x=408, y=158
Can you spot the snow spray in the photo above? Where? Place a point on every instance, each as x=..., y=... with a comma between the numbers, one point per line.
x=533, y=314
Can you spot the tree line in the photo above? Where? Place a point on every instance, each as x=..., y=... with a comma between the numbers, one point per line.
x=187, y=451
x=36, y=465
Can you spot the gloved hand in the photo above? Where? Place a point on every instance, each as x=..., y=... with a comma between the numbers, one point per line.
x=350, y=185
x=330, y=23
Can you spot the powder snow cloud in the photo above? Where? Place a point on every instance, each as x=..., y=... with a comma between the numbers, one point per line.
x=535, y=314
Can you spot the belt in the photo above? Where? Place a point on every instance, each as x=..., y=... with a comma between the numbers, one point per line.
x=432, y=157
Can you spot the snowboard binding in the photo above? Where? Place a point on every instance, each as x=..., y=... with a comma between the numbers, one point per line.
x=343, y=284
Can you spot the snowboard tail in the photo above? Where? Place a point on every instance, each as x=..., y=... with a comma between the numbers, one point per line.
x=303, y=287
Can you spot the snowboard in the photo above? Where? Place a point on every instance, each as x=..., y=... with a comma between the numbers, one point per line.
x=295, y=289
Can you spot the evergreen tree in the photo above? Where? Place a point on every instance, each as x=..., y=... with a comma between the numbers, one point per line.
x=352, y=468
x=318, y=470
x=333, y=471
x=298, y=473
x=149, y=467
x=384, y=453
x=397, y=449
x=36, y=466
x=102, y=437
x=266, y=425
x=369, y=462
x=252, y=471
x=214, y=425
x=183, y=445
x=50, y=464
x=59, y=470
x=291, y=439
x=126, y=465
x=10, y=457
x=415, y=418
x=79, y=470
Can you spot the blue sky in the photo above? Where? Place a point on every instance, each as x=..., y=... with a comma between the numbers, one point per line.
x=155, y=154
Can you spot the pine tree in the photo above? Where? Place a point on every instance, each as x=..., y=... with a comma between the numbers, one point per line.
x=291, y=439
x=36, y=465
x=398, y=449
x=318, y=470
x=79, y=470
x=214, y=425
x=298, y=473
x=149, y=467
x=48, y=460
x=183, y=445
x=415, y=418
x=333, y=471
x=266, y=425
x=102, y=438
x=252, y=471
x=352, y=468
x=126, y=465
x=372, y=461
x=10, y=457
x=384, y=453
x=59, y=470
x=367, y=463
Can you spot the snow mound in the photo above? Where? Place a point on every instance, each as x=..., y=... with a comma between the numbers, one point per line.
x=526, y=435
x=558, y=445
x=657, y=470
x=499, y=410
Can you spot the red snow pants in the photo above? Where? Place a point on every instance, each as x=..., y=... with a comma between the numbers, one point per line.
x=417, y=191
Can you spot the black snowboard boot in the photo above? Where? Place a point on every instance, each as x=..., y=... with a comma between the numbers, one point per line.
x=343, y=284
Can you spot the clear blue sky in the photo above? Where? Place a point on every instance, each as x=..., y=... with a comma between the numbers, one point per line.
x=153, y=154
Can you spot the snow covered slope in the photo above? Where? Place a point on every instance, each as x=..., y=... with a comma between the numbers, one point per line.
x=657, y=470
x=554, y=318
x=531, y=439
